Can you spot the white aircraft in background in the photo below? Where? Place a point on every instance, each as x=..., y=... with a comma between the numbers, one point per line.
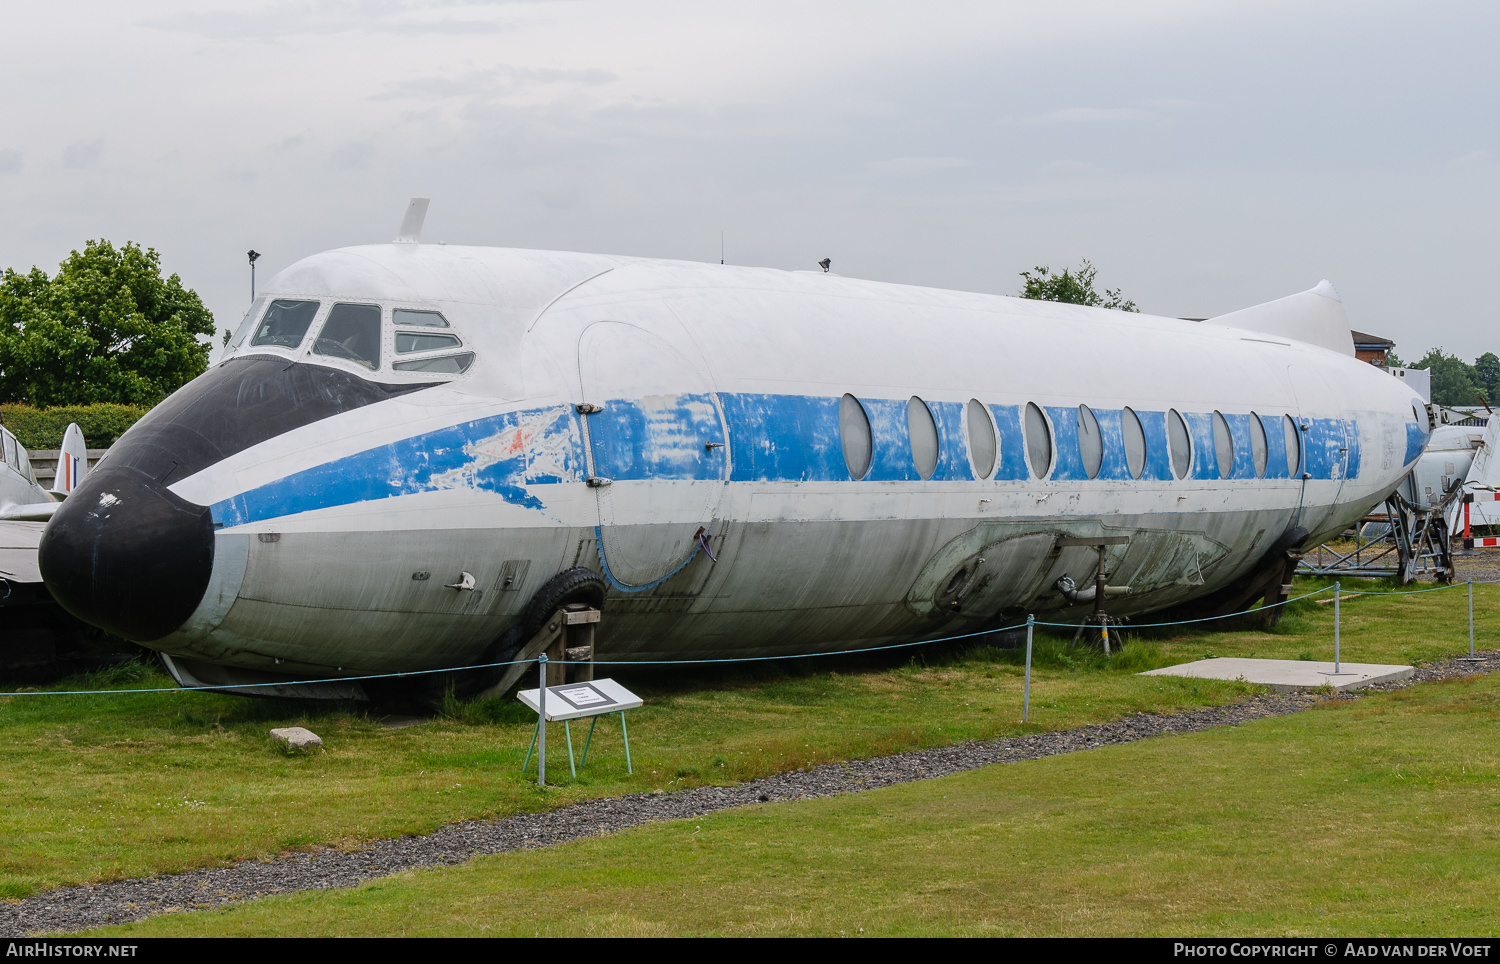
x=22, y=499
x=411, y=453
x=33, y=632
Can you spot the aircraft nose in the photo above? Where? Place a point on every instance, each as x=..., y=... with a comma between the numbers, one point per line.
x=126, y=554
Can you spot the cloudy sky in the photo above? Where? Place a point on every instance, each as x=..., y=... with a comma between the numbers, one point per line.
x=1205, y=156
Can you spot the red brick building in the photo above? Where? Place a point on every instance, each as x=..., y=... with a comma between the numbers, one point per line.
x=1371, y=348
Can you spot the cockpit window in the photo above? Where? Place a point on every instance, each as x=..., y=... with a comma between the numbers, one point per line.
x=247, y=323
x=421, y=319
x=410, y=341
x=352, y=332
x=285, y=323
x=445, y=364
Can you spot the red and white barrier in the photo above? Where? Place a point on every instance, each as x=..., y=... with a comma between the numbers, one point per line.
x=1484, y=542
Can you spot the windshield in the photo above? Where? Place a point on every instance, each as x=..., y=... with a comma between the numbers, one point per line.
x=352, y=332
x=285, y=323
x=247, y=323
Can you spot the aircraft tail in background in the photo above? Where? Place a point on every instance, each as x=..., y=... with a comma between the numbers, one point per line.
x=72, y=462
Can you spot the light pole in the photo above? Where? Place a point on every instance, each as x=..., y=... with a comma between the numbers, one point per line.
x=253, y=255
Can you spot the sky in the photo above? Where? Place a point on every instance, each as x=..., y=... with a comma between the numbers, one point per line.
x=1203, y=156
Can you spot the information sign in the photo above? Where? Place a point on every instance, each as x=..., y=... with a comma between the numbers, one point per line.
x=573, y=701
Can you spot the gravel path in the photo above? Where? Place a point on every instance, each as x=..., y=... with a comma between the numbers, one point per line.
x=78, y=908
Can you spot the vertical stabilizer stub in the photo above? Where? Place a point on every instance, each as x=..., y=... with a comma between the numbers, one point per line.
x=411, y=225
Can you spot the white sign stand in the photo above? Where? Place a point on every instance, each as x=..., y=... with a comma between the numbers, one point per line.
x=574, y=701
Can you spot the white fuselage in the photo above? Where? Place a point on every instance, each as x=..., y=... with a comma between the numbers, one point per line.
x=708, y=475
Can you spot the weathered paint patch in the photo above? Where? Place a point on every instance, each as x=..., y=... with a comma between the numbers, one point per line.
x=784, y=438
x=1416, y=442
x=1205, y=463
x=892, y=460
x=1327, y=451
x=1239, y=434
x=1011, y=459
x=1158, y=455
x=658, y=437
x=953, y=447
x=488, y=454
x=1067, y=464
x=1276, y=460
x=1112, y=435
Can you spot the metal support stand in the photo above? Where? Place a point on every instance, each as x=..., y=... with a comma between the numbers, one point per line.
x=1025, y=693
x=1101, y=577
x=623, y=732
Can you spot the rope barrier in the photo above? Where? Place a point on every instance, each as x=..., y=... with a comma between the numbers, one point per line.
x=728, y=660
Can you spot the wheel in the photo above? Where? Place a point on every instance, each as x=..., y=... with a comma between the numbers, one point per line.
x=569, y=586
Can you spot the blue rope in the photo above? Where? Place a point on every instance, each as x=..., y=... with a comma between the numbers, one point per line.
x=725, y=660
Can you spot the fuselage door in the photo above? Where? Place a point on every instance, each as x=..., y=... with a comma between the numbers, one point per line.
x=1325, y=445
x=658, y=453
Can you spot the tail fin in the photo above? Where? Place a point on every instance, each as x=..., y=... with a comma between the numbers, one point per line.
x=1315, y=316
x=72, y=462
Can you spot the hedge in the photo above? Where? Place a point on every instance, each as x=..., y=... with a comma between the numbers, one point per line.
x=43, y=428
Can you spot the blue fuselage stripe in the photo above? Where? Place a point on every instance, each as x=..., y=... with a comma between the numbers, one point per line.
x=771, y=438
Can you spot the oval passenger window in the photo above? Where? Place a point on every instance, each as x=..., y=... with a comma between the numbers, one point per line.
x=922, y=431
x=1090, y=445
x=1135, y=442
x=1293, y=446
x=1258, y=445
x=1038, y=441
x=1180, y=443
x=854, y=431
x=982, y=447
x=1223, y=446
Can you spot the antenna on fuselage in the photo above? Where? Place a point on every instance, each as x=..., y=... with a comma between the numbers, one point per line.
x=411, y=225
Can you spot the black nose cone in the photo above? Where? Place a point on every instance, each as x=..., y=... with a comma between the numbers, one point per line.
x=127, y=555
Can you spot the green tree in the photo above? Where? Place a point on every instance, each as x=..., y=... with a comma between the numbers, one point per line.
x=1454, y=381
x=1487, y=368
x=107, y=328
x=1074, y=288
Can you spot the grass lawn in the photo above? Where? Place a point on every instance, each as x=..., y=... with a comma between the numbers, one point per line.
x=102, y=787
x=1369, y=817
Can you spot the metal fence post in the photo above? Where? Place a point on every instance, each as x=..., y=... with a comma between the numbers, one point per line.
x=541, y=760
x=1336, y=630
x=1471, y=658
x=1026, y=693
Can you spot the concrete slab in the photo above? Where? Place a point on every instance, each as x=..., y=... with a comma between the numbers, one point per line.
x=1289, y=675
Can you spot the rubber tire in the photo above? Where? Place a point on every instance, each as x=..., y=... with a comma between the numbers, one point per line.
x=571, y=585
x=578, y=584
